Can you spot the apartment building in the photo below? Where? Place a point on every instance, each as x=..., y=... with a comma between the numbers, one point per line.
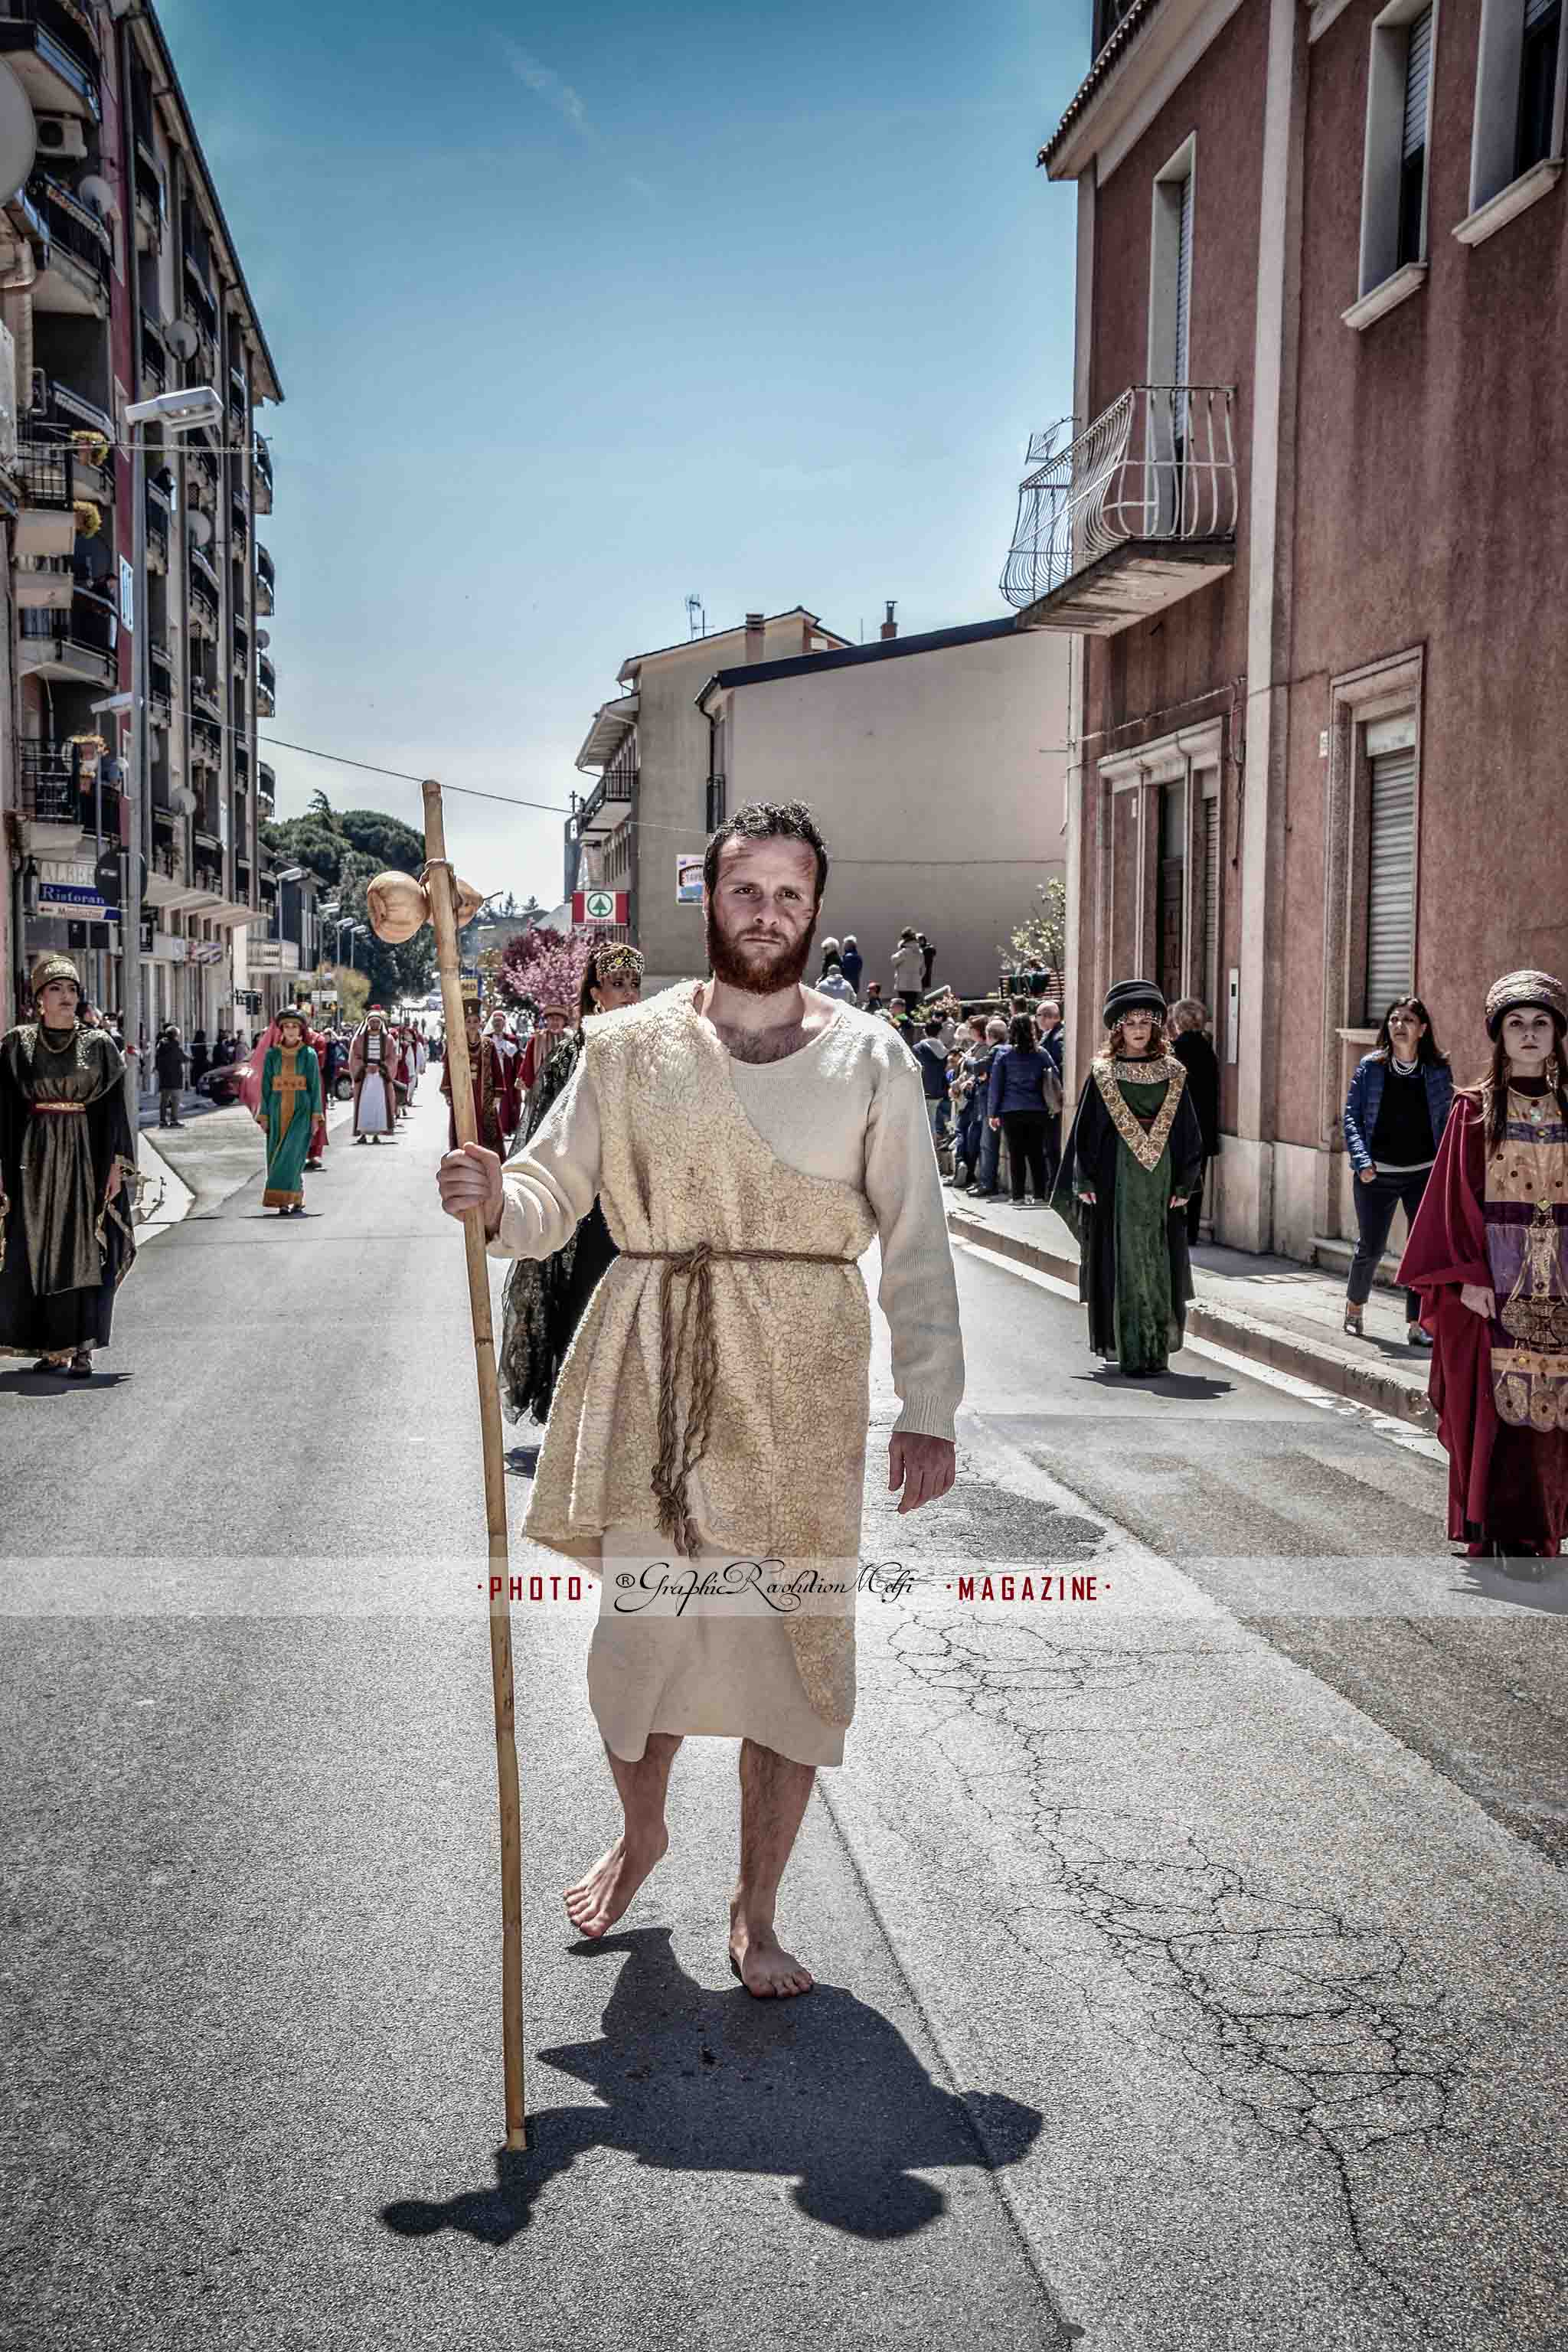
x=119, y=279
x=653, y=801
x=1306, y=526
x=936, y=765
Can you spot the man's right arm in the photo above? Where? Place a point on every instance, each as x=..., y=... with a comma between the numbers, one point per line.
x=534, y=1203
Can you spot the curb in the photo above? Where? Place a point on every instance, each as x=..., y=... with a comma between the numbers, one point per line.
x=1244, y=1335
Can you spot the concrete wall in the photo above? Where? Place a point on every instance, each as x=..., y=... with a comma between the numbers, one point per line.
x=938, y=780
x=672, y=790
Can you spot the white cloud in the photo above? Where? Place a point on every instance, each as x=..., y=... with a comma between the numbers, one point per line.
x=547, y=84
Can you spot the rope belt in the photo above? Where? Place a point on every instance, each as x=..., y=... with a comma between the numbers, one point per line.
x=81, y=1107
x=677, y=1459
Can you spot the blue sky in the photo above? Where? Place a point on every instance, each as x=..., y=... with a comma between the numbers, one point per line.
x=578, y=313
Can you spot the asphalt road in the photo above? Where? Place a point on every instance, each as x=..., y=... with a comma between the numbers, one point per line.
x=1190, y=1957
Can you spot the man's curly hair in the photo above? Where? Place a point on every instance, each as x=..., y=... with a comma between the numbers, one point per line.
x=767, y=821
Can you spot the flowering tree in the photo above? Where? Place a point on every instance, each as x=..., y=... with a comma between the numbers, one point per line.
x=546, y=965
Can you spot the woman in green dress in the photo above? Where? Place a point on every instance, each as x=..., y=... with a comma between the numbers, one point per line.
x=68, y=1178
x=290, y=1111
x=1130, y=1163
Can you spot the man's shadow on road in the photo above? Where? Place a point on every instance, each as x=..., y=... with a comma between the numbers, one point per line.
x=822, y=2087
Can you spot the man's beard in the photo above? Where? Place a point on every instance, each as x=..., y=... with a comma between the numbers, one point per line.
x=755, y=968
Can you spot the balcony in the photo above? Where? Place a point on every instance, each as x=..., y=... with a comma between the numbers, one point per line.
x=606, y=805
x=51, y=788
x=53, y=51
x=151, y=207
x=158, y=521
x=79, y=645
x=160, y=690
x=204, y=307
x=73, y=276
x=43, y=582
x=205, y=460
x=46, y=524
x=266, y=786
x=265, y=687
x=263, y=492
x=206, y=739
x=241, y=648
x=239, y=525
x=154, y=354
x=264, y=579
x=1137, y=513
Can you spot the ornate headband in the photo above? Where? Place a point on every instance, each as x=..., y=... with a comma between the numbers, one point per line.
x=618, y=962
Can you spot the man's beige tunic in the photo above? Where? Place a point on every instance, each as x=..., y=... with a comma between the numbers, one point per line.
x=654, y=1122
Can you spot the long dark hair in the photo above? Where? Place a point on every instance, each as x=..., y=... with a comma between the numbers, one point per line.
x=1428, y=1050
x=1491, y=1092
x=1021, y=1035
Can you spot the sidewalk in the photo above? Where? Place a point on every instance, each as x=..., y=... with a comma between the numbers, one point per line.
x=1272, y=1309
x=217, y=1150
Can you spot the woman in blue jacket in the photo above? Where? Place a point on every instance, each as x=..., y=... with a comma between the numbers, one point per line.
x=1395, y=1115
x=1020, y=1101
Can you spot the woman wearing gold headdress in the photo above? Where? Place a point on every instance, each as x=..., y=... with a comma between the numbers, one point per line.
x=68, y=1171
x=544, y=1298
x=1488, y=1255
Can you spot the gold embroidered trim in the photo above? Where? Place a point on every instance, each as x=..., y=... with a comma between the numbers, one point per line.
x=1146, y=1149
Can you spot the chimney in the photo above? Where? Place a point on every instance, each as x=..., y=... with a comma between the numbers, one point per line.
x=754, y=637
x=891, y=626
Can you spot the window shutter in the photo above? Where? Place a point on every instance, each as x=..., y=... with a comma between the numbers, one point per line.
x=1183, y=276
x=1417, y=77
x=1391, y=882
x=1211, y=900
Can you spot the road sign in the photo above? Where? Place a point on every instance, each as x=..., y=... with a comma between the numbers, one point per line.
x=688, y=881
x=599, y=906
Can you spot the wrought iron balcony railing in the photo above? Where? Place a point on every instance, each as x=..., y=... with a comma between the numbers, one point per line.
x=74, y=225
x=1159, y=466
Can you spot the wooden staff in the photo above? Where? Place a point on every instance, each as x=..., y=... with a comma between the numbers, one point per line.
x=448, y=903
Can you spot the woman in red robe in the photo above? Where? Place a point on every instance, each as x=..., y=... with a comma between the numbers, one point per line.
x=1489, y=1253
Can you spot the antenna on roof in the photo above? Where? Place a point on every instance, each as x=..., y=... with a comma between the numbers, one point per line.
x=696, y=618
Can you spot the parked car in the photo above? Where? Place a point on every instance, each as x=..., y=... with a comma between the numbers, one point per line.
x=222, y=1085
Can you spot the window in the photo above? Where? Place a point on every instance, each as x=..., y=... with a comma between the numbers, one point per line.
x=1394, y=164
x=1209, y=838
x=1412, y=234
x=1171, y=892
x=1390, y=747
x=1170, y=333
x=1537, y=83
x=1516, y=150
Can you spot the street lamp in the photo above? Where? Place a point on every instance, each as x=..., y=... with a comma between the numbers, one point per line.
x=178, y=411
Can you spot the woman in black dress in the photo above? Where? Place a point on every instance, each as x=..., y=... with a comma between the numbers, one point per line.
x=68, y=1178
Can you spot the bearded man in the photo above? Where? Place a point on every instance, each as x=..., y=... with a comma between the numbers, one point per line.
x=748, y=1139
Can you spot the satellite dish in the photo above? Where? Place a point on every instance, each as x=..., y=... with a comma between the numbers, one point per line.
x=200, y=526
x=263, y=639
x=181, y=338
x=18, y=135
x=96, y=191
x=183, y=800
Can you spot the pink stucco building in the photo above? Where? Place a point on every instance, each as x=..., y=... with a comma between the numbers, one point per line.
x=1311, y=517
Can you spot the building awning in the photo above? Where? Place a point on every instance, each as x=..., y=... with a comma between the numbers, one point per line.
x=612, y=722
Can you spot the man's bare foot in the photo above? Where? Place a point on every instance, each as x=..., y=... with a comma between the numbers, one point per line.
x=600, y=1896
x=762, y=1965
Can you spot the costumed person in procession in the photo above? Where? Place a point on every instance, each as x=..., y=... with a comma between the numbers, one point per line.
x=289, y=1110
x=1488, y=1255
x=495, y=1086
x=1127, y=1174
x=318, y=1040
x=370, y=1067
x=749, y=1139
x=544, y=1298
x=68, y=1180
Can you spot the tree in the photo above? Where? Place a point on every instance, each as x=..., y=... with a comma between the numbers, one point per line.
x=348, y=848
x=533, y=912
x=354, y=995
x=1039, y=943
x=545, y=965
